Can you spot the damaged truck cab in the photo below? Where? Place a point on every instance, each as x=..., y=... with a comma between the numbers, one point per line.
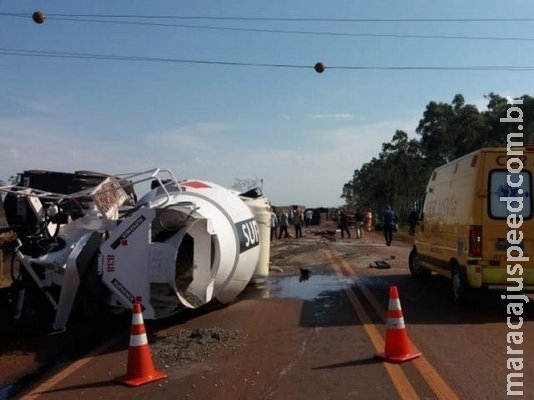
x=85, y=238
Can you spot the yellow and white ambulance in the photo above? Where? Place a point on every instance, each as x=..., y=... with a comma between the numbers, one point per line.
x=476, y=225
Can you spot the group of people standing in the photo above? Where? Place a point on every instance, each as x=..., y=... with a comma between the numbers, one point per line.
x=282, y=219
x=389, y=218
x=343, y=223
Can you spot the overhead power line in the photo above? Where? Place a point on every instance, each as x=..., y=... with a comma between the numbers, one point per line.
x=92, y=56
x=298, y=32
x=120, y=20
x=289, y=19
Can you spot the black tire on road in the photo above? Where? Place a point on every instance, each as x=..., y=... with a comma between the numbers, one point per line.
x=459, y=285
x=416, y=269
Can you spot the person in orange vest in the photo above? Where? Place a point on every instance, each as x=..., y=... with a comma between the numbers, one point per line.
x=369, y=220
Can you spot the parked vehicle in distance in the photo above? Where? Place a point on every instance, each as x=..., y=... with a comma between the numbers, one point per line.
x=464, y=229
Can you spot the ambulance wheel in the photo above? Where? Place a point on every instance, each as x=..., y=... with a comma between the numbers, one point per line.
x=416, y=268
x=459, y=285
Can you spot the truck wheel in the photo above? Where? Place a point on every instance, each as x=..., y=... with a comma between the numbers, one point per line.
x=415, y=268
x=459, y=285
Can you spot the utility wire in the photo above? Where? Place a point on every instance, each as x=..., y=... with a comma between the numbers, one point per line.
x=235, y=18
x=121, y=21
x=315, y=33
x=58, y=54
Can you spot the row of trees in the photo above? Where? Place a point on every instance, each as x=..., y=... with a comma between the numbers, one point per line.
x=398, y=176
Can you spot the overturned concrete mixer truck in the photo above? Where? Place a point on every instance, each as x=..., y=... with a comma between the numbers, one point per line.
x=85, y=239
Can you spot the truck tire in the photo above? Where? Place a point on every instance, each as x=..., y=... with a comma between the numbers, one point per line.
x=459, y=285
x=416, y=268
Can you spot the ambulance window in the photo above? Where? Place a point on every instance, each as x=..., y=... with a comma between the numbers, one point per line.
x=518, y=203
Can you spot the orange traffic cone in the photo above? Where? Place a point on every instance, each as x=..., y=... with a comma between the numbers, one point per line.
x=140, y=369
x=397, y=343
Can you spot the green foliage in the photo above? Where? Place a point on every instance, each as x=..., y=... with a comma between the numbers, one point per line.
x=398, y=176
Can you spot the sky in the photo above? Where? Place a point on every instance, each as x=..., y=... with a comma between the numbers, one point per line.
x=225, y=91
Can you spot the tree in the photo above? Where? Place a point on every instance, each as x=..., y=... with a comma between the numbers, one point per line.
x=468, y=128
x=398, y=176
x=436, y=141
x=497, y=108
x=449, y=131
x=348, y=192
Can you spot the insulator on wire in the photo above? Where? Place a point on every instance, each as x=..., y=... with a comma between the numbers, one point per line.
x=319, y=67
x=38, y=17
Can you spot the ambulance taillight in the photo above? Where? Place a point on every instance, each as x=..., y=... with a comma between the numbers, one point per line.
x=475, y=241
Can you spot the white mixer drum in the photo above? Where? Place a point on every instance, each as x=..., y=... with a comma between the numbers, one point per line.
x=231, y=250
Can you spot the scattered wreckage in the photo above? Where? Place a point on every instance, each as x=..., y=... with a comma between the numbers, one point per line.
x=85, y=239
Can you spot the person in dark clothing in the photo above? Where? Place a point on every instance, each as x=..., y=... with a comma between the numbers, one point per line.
x=297, y=222
x=344, y=223
x=412, y=221
x=283, y=220
x=390, y=219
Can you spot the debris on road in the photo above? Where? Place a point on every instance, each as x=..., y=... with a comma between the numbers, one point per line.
x=329, y=234
x=184, y=346
x=380, y=265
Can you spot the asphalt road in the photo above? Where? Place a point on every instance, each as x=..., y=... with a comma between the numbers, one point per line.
x=317, y=338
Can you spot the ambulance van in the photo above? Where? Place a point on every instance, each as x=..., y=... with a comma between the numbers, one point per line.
x=477, y=220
